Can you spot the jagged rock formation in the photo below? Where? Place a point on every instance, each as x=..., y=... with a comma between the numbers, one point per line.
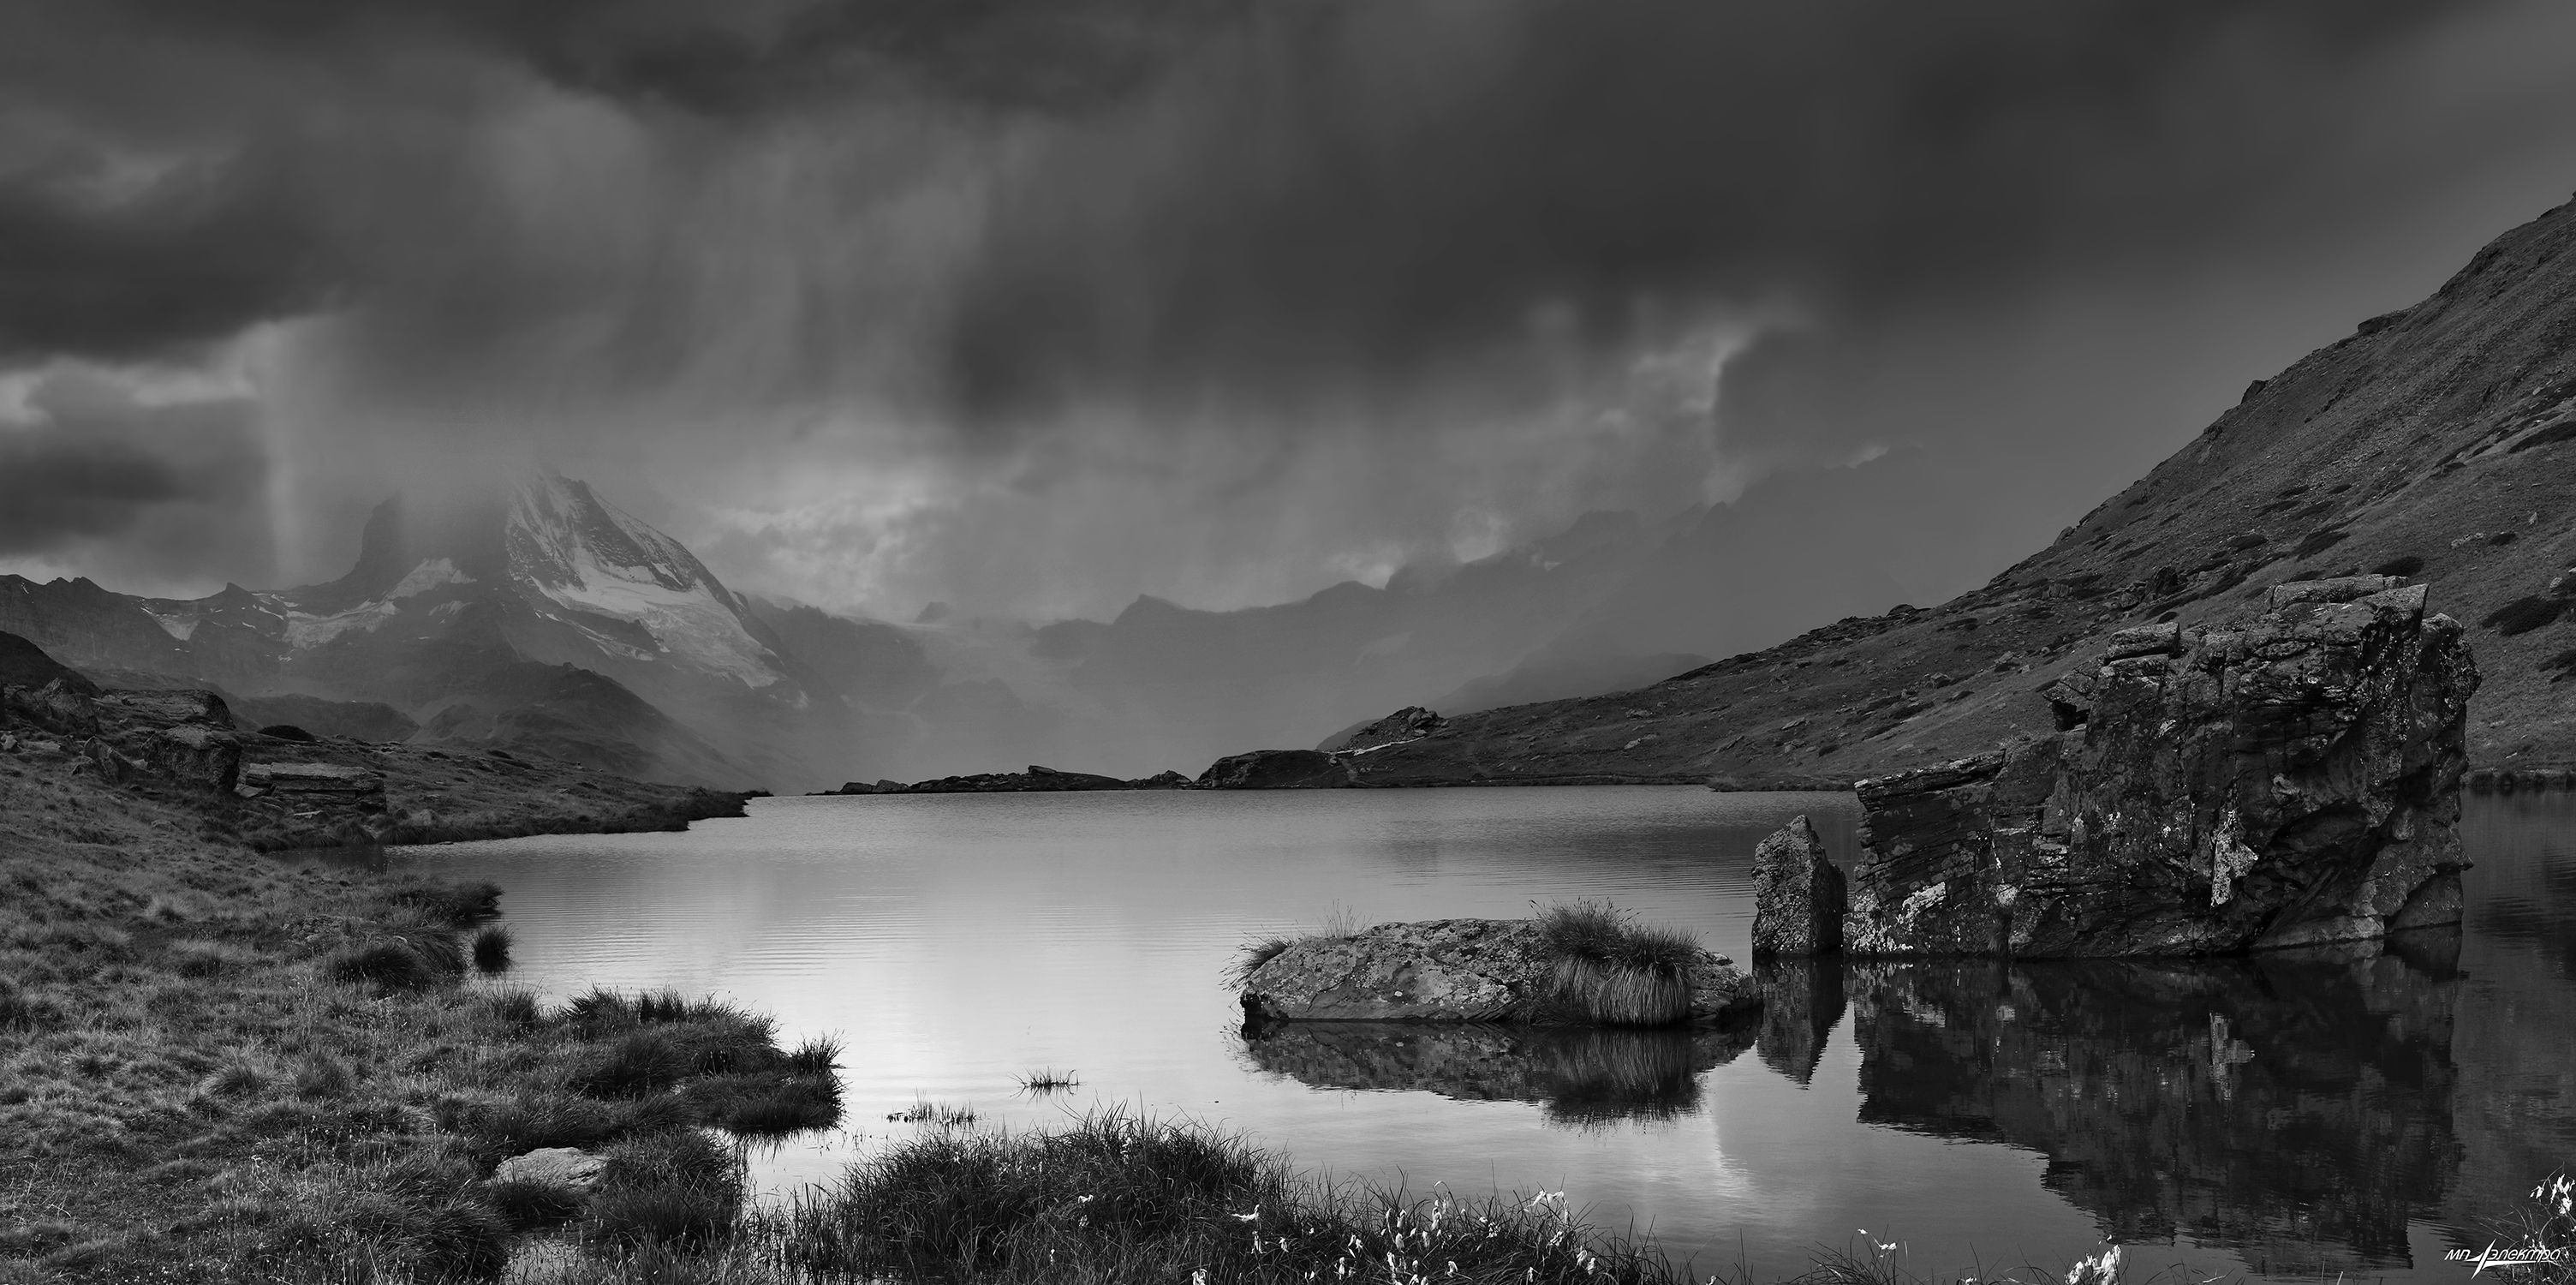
x=2289, y=781
x=2437, y=442
x=1798, y=894
x=1452, y=970
x=1410, y=723
x=1583, y=1076
x=1277, y=770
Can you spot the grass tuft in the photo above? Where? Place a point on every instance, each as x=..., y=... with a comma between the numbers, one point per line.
x=323, y=1076
x=1592, y=992
x=451, y=905
x=1047, y=1081
x=678, y=1189
x=528, y=1205
x=777, y=1107
x=408, y=960
x=928, y=1112
x=20, y=1011
x=1604, y=934
x=516, y=1007
x=492, y=949
x=819, y=1055
x=1610, y=970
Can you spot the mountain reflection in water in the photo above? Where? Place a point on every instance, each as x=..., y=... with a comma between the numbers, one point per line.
x=2295, y=1108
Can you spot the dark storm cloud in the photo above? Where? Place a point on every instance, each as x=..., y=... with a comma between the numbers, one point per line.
x=55, y=485
x=1260, y=203
x=749, y=57
x=313, y=160
x=1366, y=193
x=1056, y=301
x=167, y=490
x=153, y=275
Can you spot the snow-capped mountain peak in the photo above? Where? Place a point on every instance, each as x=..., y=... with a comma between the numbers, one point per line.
x=634, y=591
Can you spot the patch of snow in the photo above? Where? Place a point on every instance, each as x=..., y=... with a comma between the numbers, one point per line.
x=305, y=631
x=178, y=627
x=427, y=576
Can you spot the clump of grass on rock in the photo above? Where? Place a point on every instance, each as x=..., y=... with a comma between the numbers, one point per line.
x=1609, y=969
x=1341, y=923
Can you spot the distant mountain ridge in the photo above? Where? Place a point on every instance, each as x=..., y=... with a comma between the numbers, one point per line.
x=549, y=621
x=2437, y=442
x=534, y=624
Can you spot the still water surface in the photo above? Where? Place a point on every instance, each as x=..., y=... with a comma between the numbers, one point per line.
x=2294, y=1117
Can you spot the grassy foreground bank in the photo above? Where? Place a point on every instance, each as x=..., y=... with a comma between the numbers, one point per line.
x=216, y=1068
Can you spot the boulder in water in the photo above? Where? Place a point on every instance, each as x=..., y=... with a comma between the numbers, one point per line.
x=1479, y=970
x=1797, y=895
x=2283, y=782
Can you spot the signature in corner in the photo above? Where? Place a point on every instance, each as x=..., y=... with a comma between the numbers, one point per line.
x=2507, y=1256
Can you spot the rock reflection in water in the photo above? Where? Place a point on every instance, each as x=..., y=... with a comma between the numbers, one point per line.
x=1802, y=1003
x=1583, y=1076
x=2294, y=1107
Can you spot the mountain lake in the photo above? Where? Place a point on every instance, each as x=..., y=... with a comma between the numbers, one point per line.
x=2354, y=1115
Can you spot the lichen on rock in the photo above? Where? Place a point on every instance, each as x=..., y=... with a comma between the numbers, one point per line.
x=2287, y=781
x=1455, y=970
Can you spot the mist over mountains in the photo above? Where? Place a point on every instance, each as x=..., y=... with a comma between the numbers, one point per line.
x=546, y=619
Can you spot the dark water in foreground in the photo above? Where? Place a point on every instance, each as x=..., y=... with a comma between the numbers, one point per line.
x=2352, y=1115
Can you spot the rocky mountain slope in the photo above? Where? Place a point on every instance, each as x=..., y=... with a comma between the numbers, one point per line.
x=550, y=622
x=2436, y=442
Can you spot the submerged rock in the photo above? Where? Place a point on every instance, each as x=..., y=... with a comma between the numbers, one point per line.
x=1797, y=894
x=2290, y=781
x=1277, y=770
x=1455, y=970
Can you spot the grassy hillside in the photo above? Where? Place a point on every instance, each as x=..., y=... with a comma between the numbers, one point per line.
x=2436, y=442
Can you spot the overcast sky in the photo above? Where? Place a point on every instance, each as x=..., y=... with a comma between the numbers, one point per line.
x=1035, y=305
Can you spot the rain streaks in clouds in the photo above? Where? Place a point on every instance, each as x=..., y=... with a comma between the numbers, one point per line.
x=1035, y=305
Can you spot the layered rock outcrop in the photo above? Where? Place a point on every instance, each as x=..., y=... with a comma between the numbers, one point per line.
x=2288, y=781
x=1455, y=970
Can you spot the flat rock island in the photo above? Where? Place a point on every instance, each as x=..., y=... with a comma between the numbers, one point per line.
x=1492, y=970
